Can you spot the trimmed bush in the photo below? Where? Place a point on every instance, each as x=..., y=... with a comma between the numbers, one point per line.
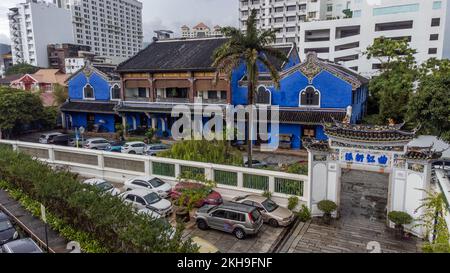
x=327, y=206
x=400, y=218
x=105, y=218
x=292, y=202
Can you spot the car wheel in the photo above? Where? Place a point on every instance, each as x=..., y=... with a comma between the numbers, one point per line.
x=239, y=233
x=132, y=153
x=94, y=149
x=273, y=223
x=201, y=224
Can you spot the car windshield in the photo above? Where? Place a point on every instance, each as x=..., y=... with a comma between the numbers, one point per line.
x=5, y=225
x=269, y=205
x=152, y=198
x=156, y=182
x=105, y=186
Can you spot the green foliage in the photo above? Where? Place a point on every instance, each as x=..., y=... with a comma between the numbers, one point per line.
x=400, y=218
x=250, y=47
x=304, y=214
x=60, y=93
x=435, y=209
x=391, y=89
x=292, y=202
x=22, y=68
x=114, y=225
x=429, y=106
x=267, y=194
x=348, y=13
x=150, y=135
x=215, y=152
x=191, y=196
x=19, y=108
x=298, y=168
x=327, y=206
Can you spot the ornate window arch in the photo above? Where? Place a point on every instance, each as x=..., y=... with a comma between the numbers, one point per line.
x=115, y=92
x=263, y=95
x=310, y=97
x=88, y=92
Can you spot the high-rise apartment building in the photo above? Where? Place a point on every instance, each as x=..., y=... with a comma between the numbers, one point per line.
x=34, y=25
x=112, y=28
x=341, y=30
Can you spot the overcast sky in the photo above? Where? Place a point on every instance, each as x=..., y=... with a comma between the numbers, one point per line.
x=161, y=14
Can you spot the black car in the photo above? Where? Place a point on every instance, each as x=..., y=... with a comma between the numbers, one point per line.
x=7, y=231
x=61, y=140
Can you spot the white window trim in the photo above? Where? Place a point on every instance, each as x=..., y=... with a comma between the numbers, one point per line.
x=309, y=106
x=267, y=89
x=111, y=93
x=93, y=92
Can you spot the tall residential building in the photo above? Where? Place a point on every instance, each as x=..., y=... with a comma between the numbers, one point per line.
x=58, y=55
x=112, y=28
x=35, y=24
x=341, y=30
x=200, y=31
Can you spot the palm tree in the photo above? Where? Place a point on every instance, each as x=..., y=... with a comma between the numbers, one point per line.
x=251, y=47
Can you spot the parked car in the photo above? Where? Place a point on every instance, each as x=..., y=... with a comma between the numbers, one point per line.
x=7, y=231
x=97, y=144
x=153, y=214
x=272, y=213
x=26, y=245
x=152, y=183
x=46, y=138
x=136, y=148
x=103, y=186
x=256, y=164
x=73, y=142
x=61, y=140
x=238, y=219
x=154, y=149
x=116, y=147
x=142, y=198
x=214, y=198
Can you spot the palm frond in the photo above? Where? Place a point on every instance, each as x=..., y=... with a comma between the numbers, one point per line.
x=272, y=70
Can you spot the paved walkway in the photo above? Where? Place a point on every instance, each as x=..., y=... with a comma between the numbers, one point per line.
x=31, y=225
x=346, y=236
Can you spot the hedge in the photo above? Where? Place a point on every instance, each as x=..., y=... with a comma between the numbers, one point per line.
x=105, y=218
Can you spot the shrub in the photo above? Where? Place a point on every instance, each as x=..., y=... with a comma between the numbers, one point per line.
x=298, y=169
x=400, y=218
x=327, y=206
x=304, y=214
x=292, y=202
x=267, y=194
x=113, y=224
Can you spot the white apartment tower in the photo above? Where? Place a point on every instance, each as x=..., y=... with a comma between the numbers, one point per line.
x=33, y=26
x=113, y=28
x=323, y=26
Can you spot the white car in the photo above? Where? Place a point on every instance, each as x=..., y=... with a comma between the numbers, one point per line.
x=97, y=144
x=46, y=138
x=102, y=185
x=146, y=199
x=135, y=148
x=154, y=184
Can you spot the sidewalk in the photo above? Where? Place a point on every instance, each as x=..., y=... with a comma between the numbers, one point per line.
x=33, y=227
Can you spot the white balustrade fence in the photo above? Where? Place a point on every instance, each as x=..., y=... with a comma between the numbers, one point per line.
x=231, y=181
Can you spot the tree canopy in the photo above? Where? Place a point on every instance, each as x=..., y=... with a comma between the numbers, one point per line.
x=22, y=68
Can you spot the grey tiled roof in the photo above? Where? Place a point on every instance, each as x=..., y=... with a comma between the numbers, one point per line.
x=89, y=107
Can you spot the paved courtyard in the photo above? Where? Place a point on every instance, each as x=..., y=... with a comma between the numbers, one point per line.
x=346, y=236
x=263, y=242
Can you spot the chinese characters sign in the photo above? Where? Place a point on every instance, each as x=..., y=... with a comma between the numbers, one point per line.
x=366, y=158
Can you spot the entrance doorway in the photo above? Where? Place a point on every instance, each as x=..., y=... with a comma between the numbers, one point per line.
x=364, y=195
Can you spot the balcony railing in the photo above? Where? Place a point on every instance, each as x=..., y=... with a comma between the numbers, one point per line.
x=173, y=100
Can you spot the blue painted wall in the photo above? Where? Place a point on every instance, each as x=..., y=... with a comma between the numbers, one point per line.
x=101, y=86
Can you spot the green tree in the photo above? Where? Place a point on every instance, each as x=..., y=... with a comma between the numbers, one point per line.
x=61, y=94
x=22, y=68
x=391, y=89
x=250, y=48
x=19, y=108
x=429, y=106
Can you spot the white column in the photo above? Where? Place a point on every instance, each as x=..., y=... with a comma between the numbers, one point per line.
x=63, y=117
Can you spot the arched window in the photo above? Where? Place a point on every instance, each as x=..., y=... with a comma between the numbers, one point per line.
x=310, y=97
x=115, y=92
x=263, y=95
x=88, y=92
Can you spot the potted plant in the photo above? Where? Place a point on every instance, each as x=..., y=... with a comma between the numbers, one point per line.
x=400, y=218
x=327, y=207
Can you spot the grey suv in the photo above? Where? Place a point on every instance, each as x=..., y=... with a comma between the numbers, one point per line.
x=238, y=219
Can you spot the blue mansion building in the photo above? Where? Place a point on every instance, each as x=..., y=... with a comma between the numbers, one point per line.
x=173, y=72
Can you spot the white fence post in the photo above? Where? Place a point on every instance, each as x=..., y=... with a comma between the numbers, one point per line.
x=148, y=167
x=271, y=183
x=177, y=170
x=209, y=174
x=51, y=154
x=240, y=180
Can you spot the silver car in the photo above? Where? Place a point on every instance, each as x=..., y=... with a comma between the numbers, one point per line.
x=154, y=149
x=26, y=245
x=238, y=219
x=97, y=144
